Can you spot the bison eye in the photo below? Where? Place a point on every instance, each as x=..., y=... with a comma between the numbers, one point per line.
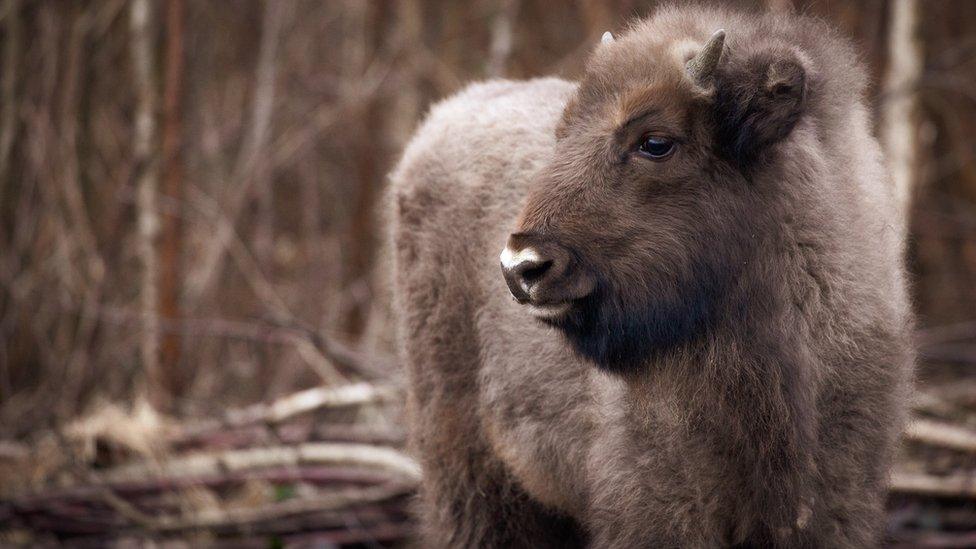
x=657, y=148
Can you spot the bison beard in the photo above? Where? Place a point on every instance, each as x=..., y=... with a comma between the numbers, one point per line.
x=622, y=331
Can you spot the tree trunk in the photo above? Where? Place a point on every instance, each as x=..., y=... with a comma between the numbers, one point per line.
x=898, y=109
x=147, y=183
x=173, y=378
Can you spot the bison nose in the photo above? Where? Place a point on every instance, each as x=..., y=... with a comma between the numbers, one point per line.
x=541, y=272
x=524, y=270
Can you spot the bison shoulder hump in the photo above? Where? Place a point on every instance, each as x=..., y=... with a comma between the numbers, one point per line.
x=486, y=133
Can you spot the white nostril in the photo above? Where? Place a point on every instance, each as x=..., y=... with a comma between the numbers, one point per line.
x=510, y=259
x=506, y=258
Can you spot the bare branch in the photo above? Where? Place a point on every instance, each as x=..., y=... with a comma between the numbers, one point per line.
x=251, y=169
x=217, y=518
x=340, y=359
x=958, y=485
x=313, y=453
x=296, y=404
x=944, y=435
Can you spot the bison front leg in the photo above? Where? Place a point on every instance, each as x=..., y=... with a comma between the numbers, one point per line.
x=481, y=506
x=467, y=498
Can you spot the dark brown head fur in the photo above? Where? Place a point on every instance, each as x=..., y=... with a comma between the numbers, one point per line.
x=667, y=240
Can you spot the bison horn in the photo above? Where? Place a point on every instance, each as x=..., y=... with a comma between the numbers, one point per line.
x=701, y=66
x=607, y=38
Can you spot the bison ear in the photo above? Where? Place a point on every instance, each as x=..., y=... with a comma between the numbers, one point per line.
x=757, y=103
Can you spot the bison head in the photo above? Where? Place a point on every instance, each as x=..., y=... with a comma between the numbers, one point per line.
x=635, y=237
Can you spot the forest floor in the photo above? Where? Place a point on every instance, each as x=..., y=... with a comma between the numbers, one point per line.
x=326, y=467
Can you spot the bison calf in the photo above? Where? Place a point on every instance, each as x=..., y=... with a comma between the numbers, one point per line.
x=708, y=343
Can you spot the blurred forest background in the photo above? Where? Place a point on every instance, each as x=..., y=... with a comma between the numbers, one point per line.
x=188, y=227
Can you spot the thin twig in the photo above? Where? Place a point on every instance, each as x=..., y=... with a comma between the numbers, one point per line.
x=251, y=169
x=330, y=352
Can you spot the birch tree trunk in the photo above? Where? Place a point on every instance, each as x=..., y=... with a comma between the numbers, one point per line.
x=147, y=183
x=502, y=38
x=898, y=107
